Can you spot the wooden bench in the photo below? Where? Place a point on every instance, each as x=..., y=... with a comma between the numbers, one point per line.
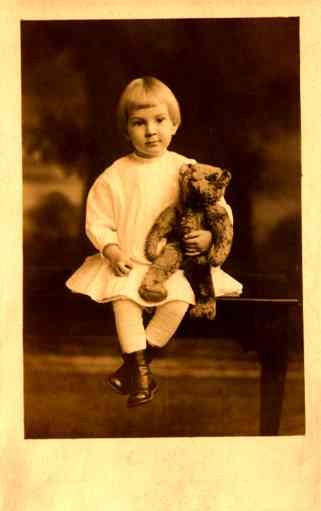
x=272, y=327
x=266, y=318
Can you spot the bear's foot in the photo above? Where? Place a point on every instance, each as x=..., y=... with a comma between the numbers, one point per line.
x=155, y=293
x=206, y=310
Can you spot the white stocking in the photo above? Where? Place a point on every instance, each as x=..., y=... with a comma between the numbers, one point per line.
x=165, y=322
x=129, y=325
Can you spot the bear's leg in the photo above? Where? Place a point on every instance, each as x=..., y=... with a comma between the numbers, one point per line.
x=222, y=231
x=199, y=276
x=152, y=288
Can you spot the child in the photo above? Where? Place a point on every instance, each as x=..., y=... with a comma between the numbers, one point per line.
x=122, y=205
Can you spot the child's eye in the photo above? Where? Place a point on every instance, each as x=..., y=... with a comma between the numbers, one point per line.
x=160, y=119
x=137, y=122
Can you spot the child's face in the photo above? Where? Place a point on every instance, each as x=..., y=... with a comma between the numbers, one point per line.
x=150, y=130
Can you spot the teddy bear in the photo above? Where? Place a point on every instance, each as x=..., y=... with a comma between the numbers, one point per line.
x=201, y=188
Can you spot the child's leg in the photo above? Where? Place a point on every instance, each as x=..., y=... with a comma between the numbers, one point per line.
x=135, y=372
x=129, y=325
x=165, y=322
x=160, y=329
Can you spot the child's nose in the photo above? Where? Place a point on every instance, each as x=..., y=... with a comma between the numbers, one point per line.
x=150, y=128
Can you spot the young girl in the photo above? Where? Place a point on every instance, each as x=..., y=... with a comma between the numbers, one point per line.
x=122, y=205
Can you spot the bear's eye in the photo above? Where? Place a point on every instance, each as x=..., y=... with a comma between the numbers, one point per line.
x=211, y=178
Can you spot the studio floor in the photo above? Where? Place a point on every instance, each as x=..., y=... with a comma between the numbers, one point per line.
x=207, y=387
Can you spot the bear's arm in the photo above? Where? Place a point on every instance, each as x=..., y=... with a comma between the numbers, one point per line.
x=221, y=227
x=163, y=226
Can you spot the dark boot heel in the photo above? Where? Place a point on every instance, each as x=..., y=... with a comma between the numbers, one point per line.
x=142, y=385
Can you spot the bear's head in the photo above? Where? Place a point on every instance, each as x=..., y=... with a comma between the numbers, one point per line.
x=202, y=185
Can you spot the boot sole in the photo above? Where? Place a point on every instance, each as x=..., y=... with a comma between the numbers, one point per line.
x=125, y=392
x=142, y=402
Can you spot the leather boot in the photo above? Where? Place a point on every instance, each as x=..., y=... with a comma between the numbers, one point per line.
x=119, y=380
x=141, y=383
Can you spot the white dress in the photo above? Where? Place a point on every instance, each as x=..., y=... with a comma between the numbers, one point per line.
x=122, y=205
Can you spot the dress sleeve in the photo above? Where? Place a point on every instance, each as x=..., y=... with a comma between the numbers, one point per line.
x=100, y=217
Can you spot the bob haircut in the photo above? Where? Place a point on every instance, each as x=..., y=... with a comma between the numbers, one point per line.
x=146, y=92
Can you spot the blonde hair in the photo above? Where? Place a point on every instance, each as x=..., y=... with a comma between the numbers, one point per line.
x=143, y=93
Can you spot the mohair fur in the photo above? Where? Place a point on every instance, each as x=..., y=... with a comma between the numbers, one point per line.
x=201, y=187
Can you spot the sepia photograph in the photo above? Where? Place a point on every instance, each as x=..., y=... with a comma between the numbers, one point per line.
x=160, y=287
x=162, y=254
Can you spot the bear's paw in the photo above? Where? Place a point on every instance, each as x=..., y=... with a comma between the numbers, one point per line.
x=205, y=310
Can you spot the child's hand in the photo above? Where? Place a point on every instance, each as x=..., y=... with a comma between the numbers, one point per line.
x=120, y=263
x=197, y=242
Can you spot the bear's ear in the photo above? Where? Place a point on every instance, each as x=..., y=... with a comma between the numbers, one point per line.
x=226, y=177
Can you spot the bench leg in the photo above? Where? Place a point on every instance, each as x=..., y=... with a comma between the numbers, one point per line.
x=273, y=356
x=271, y=397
